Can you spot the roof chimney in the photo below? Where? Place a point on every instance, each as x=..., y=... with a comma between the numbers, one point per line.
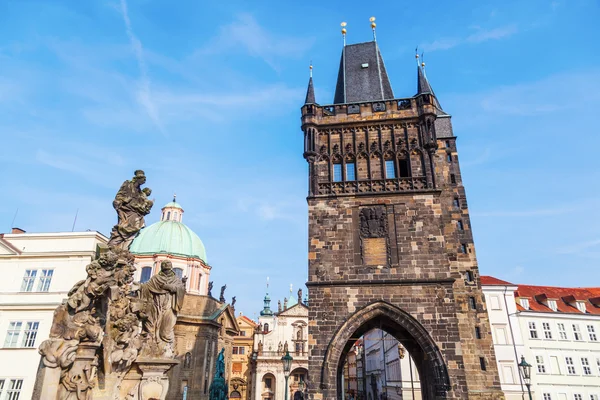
x=17, y=231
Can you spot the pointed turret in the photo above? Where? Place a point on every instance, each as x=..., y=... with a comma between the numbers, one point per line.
x=266, y=311
x=423, y=86
x=310, y=93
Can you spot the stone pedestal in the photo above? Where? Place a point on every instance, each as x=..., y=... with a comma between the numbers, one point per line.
x=154, y=382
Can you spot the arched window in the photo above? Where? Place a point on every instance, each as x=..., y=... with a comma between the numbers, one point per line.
x=199, y=286
x=299, y=334
x=337, y=172
x=146, y=274
x=175, y=216
x=168, y=215
x=266, y=328
x=178, y=272
x=187, y=362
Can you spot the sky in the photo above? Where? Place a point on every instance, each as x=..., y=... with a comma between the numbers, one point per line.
x=206, y=96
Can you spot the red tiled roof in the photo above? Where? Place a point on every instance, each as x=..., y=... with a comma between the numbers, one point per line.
x=248, y=320
x=490, y=280
x=564, y=297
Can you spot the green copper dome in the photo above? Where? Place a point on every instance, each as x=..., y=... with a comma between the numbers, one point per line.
x=169, y=236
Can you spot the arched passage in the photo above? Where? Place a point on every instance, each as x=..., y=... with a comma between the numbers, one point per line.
x=406, y=329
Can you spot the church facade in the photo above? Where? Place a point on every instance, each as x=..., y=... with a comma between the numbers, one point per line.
x=390, y=242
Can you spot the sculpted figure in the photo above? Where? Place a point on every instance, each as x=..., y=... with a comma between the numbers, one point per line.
x=210, y=286
x=131, y=204
x=218, y=388
x=163, y=295
x=222, y=297
x=233, y=300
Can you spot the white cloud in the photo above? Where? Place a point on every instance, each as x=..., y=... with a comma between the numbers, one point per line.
x=480, y=36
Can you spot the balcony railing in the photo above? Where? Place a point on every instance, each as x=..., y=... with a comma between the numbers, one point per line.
x=375, y=185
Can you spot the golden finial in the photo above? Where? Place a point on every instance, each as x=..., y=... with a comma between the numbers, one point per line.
x=423, y=64
x=311, y=68
x=373, y=25
x=343, y=25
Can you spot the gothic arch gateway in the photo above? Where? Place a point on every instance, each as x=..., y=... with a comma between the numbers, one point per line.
x=407, y=330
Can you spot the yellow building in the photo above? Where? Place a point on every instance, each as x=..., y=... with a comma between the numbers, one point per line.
x=239, y=376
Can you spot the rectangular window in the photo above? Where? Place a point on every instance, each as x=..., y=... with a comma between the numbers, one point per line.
x=242, y=333
x=524, y=303
x=390, y=170
x=552, y=305
x=456, y=202
x=592, y=333
x=585, y=365
x=449, y=157
x=577, y=396
x=28, y=279
x=547, y=330
x=31, y=330
x=463, y=248
x=477, y=332
x=469, y=276
x=14, y=389
x=540, y=364
x=350, y=172
x=570, y=365
x=593, y=397
x=12, y=334
x=482, y=364
x=1, y=387
x=472, y=303
x=447, y=143
x=547, y=396
x=45, y=279
x=581, y=306
x=146, y=274
x=337, y=172
x=577, y=332
x=562, y=331
x=268, y=383
x=403, y=168
x=532, y=330
x=452, y=178
x=460, y=226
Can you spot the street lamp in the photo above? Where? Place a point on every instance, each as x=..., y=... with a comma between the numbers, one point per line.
x=287, y=365
x=301, y=386
x=525, y=370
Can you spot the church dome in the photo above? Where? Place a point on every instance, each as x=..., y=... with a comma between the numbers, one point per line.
x=169, y=236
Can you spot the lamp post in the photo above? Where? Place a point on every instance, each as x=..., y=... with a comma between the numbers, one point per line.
x=287, y=366
x=525, y=370
x=301, y=386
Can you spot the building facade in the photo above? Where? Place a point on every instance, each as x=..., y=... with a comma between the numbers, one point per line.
x=556, y=330
x=390, y=240
x=278, y=333
x=240, y=375
x=38, y=270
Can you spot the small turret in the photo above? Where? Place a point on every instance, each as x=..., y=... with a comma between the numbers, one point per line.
x=310, y=92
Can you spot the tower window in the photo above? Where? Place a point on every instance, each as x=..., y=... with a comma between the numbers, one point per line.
x=390, y=170
x=449, y=157
x=453, y=178
x=350, y=171
x=337, y=172
x=469, y=276
x=477, y=332
x=403, y=168
x=456, y=202
x=472, y=303
x=447, y=144
x=482, y=364
x=146, y=274
x=168, y=215
x=463, y=248
x=460, y=226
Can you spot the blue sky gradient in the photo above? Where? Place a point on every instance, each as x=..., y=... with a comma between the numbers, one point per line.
x=205, y=97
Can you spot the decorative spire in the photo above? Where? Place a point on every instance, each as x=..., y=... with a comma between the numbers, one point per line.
x=174, y=197
x=423, y=86
x=310, y=92
x=267, y=303
x=343, y=25
x=373, y=26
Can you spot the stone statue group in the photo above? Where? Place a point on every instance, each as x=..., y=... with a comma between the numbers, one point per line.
x=109, y=322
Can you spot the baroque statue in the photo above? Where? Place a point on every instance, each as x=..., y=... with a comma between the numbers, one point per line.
x=218, y=388
x=108, y=323
x=222, y=296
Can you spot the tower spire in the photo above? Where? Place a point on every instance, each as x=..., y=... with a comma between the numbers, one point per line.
x=423, y=86
x=310, y=91
x=267, y=302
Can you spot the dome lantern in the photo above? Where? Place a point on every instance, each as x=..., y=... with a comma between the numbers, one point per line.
x=172, y=211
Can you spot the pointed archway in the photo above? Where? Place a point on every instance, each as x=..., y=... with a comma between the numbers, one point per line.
x=406, y=329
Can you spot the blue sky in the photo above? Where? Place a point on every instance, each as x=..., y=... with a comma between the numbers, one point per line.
x=205, y=98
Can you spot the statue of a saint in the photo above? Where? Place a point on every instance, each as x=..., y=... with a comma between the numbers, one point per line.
x=210, y=286
x=131, y=204
x=218, y=388
x=222, y=297
x=163, y=295
x=233, y=300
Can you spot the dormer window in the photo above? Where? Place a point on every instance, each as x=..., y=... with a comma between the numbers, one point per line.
x=552, y=305
x=524, y=303
x=581, y=306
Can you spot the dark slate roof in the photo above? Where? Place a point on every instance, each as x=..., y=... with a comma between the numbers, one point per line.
x=362, y=83
x=310, y=93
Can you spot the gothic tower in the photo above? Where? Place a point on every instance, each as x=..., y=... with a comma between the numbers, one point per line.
x=390, y=243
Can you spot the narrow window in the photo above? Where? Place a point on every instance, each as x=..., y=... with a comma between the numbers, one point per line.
x=577, y=396
x=31, y=330
x=463, y=248
x=460, y=225
x=28, y=279
x=477, y=332
x=14, y=390
x=390, y=170
x=168, y=215
x=12, y=334
x=449, y=157
x=482, y=364
x=178, y=272
x=456, y=203
x=469, y=276
x=234, y=350
x=266, y=328
x=532, y=330
x=337, y=172
x=562, y=331
x=350, y=171
x=146, y=274
x=199, y=284
x=447, y=144
x=453, y=178
x=592, y=333
x=581, y=307
x=570, y=366
x=472, y=303
x=585, y=364
x=403, y=168
x=524, y=303
x=552, y=305
x=547, y=330
x=577, y=332
x=205, y=385
x=45, y=280
x=540, y=364
x=547, y=396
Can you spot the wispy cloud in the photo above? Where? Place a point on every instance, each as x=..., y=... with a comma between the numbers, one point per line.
x=579, y=247
x=247, y=33
x=144, y=93
x=480, y=36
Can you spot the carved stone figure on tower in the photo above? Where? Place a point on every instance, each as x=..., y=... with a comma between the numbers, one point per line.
x=131, y=204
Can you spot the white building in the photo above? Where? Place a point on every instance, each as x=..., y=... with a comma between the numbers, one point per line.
x=555, y=329
x=277, y=332
x=38, y=270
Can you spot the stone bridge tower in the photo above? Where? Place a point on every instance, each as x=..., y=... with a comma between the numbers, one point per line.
x=390, y=242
